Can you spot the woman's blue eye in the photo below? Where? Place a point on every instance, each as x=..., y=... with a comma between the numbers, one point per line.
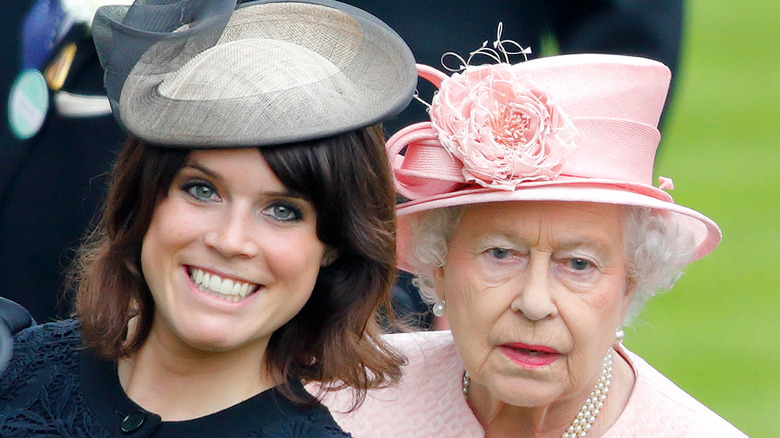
x=579, y=264
x=500, y=253
x=202, y=191
x=284, y=212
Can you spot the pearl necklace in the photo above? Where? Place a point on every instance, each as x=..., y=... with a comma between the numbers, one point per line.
x=582, y=423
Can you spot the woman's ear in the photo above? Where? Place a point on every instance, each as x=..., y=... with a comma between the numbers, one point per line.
x=330, y=256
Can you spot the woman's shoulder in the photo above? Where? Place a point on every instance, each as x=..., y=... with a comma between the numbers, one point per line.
x=39, y=391
x=47, y=345
x=423, y=345
x=41, y=348
x=427, y=402
x=431, y=356
x=657, y=404
x=52, y=333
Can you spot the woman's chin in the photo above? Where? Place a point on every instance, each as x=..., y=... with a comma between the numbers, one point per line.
x=523, y=392
x=213, y=344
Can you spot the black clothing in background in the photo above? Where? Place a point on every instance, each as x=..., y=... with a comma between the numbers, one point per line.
x=648, y=28
x=51, y=184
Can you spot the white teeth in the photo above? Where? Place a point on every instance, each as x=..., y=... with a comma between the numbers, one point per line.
x=225, y=288
x=214, y=283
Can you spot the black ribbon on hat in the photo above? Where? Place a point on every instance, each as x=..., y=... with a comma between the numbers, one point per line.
x=123, y=34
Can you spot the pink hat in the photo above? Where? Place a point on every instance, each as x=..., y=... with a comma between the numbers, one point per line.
x=576, y=128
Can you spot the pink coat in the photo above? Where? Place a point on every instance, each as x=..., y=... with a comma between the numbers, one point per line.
x=429, y=402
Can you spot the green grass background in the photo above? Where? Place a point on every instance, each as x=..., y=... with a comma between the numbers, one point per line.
x=717, y=333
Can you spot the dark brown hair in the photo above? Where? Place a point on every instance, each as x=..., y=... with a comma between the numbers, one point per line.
x=335, y=338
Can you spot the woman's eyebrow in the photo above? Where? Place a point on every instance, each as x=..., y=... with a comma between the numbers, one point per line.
x=601, y=248
x=286, y=193
x=197, y=166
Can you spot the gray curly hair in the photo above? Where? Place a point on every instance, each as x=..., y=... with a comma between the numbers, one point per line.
x=656, y=248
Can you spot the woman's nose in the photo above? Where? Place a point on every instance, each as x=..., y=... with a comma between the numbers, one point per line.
x=534, y=296
x=234, y=235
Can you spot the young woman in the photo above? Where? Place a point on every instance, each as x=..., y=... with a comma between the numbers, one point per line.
x=248, y=235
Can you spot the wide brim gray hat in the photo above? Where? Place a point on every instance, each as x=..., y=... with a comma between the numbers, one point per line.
x=205, y=73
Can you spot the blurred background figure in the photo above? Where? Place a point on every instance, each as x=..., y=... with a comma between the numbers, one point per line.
x=58, y=139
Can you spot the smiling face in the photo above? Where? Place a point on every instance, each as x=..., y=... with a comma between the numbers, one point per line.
x=230, y=255
x=534, y=292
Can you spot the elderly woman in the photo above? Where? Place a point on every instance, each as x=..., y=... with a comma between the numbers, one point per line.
x=248, y=237
x=534, y=229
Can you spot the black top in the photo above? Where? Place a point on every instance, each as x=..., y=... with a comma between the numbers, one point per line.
x=53, y=387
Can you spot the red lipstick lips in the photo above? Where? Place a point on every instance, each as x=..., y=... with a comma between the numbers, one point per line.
x=530, y=356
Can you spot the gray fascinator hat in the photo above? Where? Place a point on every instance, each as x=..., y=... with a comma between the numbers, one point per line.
x=208, y=73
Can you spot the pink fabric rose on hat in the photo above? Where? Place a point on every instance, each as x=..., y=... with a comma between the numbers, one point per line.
x=503, y=127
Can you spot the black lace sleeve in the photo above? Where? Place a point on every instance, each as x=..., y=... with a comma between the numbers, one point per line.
x=39, y=391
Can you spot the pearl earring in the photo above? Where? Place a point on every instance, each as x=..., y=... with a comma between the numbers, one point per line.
x=619, y=335
x=438, y=308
